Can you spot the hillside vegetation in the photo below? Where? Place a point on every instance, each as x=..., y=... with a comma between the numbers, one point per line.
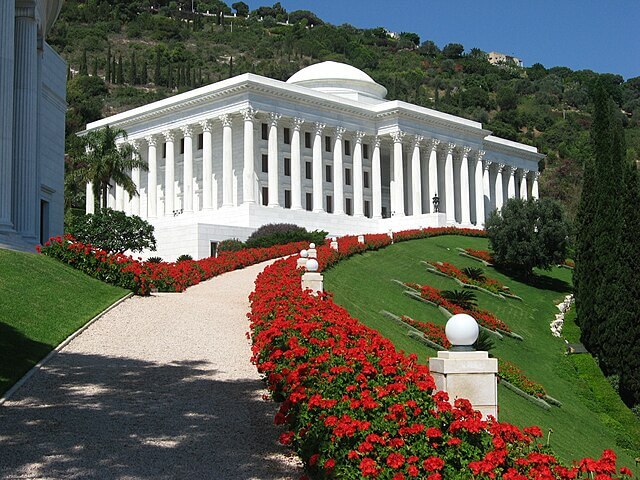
x=125, y=53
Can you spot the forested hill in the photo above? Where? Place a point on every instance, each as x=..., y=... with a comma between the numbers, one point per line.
x=126, y=53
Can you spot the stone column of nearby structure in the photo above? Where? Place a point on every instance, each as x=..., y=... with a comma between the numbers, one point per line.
x=450, y=201
x=397, y=190
x=534, y=186
x=118, y=188
x=273, y=160
x=338, y=173
x=317, y=168
x=152, y=177
x=7, y=28
x=433, y=171
x=207, y=164
x=376, y=179
x=169, y=173
x=187, y=191
x=486, y=186
x=358, y=187
x=479, y=187
x=248, y=170
x=465, y=203
x=296, y=166
x=523, y=184
x=135, y=177
x=227, y=161
x=90, y=202
x=498, y=188
x=416, y=177
x=511, y=185
x=25, y=121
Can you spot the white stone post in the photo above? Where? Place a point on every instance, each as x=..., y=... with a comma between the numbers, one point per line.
x=334, y=244
x=248, y=170
x=449, y=199
x=311, y=279
x=479, y=183
x=273, y=176
x=465, y=204
x=302, y=261
x=498, y=188
x=187, y=191
x=397, y=184
x=361, y=239
x=511, y=186
x=7, y=29
x=338, y=173
x=207, y=165
x=523, y=184
x=227, y=161
x=465, y=373
x=135, y=178
x=296, y=166
x=416, y=177
x=90, y=203
x=534, y=186
x=169, y=173
x=358, y=188
x=376, y=179
x=433, y=171
x=317, y=168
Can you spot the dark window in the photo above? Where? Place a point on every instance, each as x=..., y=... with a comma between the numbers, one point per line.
x=327, y=173
x=365, y=179
x=347, y=148
x=287, y=167
x=182, y=145
x=44, y=221
x=265, y=131
x=265, y=163
x=307, y=170
x=327, y=144
x=287, y=136
x=347, y=176
x=385, y=212
x=365, y=150
x=329, y=204
x=347, y=206
x=367, y=208
x=213, y=249
x=200, y=141
x=287, y=199
x=265, y=196
x=309, y=201
x=307, y=139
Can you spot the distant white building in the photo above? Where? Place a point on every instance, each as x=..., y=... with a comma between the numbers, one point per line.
x=497, y=58
x=323, y=150
x=32, y=111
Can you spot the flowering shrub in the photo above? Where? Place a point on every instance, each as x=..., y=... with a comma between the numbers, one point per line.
x=435, y=232
x=452, y=271
x=433, y=332
x=481, y=254
x=354, y=407
x=512, y=374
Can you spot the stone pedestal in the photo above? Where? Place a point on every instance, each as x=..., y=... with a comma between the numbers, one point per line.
x=470, y=375
x=301, y=262
x=313, y=280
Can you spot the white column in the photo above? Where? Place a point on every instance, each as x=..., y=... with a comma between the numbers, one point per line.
x=119, y=189
x=227, y=161
x=25, y=122
x=338, y=172
x=376, y=179
x=433, y=171
x=416, y=177
x=486, y=186
x=296, y=166
x=397, y=184
x=135, y=178
x=465, y=204
x=273, y=175
x=511, y=186
x=207, y=164
x=248, y=170
x=479, y=184
x=90, y=203
x=169, y=173
x=187, y=190
x=7, y=29
x=358, y=187
x=152, y=177
x=523, y=184
x=317, y=168
x=450, y=199
x=498, y=188
x=534, y=186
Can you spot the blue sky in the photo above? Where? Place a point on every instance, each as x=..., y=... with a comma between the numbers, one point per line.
x=599, y=35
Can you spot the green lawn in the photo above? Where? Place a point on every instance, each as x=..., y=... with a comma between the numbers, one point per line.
x=42, y=302
x=592, y=417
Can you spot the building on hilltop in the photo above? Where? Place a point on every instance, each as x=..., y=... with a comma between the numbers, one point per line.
x=32, y=111
x=497, y=58
x=323, y=150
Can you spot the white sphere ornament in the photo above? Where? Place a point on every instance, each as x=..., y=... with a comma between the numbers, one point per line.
x=304, y=253
x=312, y=265
x=312, y=245
x=462, y=331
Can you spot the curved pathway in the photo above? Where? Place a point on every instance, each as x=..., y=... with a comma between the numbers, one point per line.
x=159, y=388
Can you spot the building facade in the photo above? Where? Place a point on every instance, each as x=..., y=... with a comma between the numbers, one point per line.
x=497, y=58
x=323, y=150
x=32, y=116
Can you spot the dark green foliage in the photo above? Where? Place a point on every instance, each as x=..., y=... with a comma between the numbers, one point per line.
x=154, y=260
x=528, y=234
x=474, y=273
x=107, y=73
x=231, y=245
x=485, y=341
x=283, y=233
x=119, y=71
x=241, y=8
x=453, y=50
x=114, y=231
x=463, y=298
x=84, y=69
x=184, y=258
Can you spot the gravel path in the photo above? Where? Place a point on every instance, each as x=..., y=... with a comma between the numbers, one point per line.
x=159, y=388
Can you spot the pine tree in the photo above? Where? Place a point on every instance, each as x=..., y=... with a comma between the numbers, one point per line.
x=84, y=69
x=120, y=74
x=107, y=74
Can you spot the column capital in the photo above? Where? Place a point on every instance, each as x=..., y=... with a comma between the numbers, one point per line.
x=523, y=172
x=376, y=141
x=274, y=118
x=340, y=131
x=226, y=119
x=319, y=128
x=417, y=141
x=464, y=151
x=397, y=136
x=297, y=123
x=187, y=130
x=137, y=143
x=535, y=175
x=169, y=135
x=501, y=167
x=152, y=140
x=248, y=114
x=480, y=155
x=486, y=164
x=207, y=125
x=359, y=135
x=449, y=147
x=433, y=143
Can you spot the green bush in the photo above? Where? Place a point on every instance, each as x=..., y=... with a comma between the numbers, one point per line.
x=183, y=258
x=154, y=260
x=231, y=245
x=283, y=233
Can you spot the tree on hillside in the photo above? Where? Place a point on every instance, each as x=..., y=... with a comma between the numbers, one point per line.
x=453, y=50
x=527, y=234
x=241, y=8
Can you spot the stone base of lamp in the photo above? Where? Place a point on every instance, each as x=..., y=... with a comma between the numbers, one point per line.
x=313, y=281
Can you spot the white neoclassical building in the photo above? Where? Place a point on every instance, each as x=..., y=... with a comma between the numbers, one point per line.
x=32, y=110
x=323, y=150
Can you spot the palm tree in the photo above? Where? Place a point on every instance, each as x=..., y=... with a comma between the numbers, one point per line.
x=474, y=273
x=105, y=160
x=463, y=298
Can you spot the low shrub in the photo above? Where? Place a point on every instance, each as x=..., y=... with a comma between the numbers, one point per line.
x=184, y=257
x=231, y=245
x=154, y=260
x=283, y=233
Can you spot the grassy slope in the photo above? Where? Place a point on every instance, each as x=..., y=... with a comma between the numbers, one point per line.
x=592, y=418
x=41, y=303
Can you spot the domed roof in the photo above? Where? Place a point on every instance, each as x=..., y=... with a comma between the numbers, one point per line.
x=337, y=78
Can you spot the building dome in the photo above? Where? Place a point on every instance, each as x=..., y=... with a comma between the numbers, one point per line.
x=339, y=79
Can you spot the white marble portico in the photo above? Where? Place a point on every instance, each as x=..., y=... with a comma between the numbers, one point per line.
x=323, y=150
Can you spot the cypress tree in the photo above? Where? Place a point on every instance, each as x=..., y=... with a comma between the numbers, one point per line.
x=94, y=70
x=157, y=74
x=113, y=69
x=231, y=67
x=84, y=69
x=107, y=74
x=133, y=69
x=119, y=72
x=143, y=72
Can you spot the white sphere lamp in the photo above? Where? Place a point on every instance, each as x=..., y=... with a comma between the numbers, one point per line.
x=312, y=245
x=312, y=265
x=304, y=254
x=462, y=331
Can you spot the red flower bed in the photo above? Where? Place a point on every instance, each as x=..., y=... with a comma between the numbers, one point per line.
x=433, y=332
x=483, y=317
x=452, y=271
x=435, y=232
x=512, y=374
x=481, y=254
x=354, y=407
